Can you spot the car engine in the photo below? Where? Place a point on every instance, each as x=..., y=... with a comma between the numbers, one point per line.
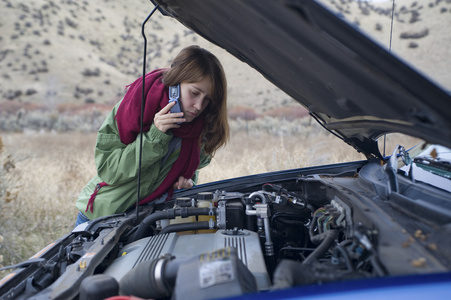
x=311, y=230
x=266, y=234
x=220, y=244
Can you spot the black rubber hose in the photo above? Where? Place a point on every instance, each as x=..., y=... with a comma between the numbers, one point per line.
x=187, y=227
x=331, y=235
x=153, y=279
x=341, y=250
x=142, y=282
x=311, y=229
x=317, y=238
x=377, y=266
x=144, y=229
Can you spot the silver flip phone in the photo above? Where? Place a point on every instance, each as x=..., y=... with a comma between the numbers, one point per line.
x=174, y=95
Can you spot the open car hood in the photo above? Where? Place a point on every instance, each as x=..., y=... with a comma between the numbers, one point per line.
x=338, y=231
x=351, y=85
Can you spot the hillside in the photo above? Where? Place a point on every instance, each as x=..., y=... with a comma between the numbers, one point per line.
x=420, y=34
x=63, y=54
x=57, y=52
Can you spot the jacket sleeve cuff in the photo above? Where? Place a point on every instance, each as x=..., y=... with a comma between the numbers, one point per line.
x=155, y=135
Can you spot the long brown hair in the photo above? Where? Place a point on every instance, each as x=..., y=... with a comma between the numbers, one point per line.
x=192, y=64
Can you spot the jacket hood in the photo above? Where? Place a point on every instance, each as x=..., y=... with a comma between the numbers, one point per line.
x=351, y=85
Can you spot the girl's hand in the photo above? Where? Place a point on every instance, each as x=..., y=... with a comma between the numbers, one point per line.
x=165, y=120
x=183, y=183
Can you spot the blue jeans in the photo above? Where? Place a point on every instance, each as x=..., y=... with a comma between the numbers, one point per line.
x=81, y=218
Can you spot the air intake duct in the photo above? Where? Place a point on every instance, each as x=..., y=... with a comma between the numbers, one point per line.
x=215, y=274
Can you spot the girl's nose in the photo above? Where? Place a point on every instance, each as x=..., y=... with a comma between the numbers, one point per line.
x=198, y=103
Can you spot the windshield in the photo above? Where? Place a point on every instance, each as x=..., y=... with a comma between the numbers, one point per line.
x=432, y=165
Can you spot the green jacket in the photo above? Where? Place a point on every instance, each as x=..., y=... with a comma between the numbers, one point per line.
x=117, y=165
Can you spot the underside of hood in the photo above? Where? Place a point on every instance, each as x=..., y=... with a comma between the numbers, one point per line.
x=352, y=86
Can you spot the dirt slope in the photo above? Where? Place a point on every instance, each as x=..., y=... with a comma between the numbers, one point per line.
x=76, y=52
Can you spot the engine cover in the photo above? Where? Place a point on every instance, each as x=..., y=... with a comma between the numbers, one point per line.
x=246, y=243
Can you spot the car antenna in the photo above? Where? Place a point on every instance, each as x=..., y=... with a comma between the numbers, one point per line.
x=143, y=104
x=389, y=50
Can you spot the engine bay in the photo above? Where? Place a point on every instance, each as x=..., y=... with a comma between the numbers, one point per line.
x=311, y=230
x=260, y=234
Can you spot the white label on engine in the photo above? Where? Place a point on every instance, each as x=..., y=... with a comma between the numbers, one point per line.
x=215, y=272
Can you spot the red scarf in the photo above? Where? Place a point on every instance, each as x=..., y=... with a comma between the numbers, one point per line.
x=128, y=120
x=128, y=123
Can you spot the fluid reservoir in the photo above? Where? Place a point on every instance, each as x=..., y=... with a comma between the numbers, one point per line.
x=179, y=202
x=205, y=199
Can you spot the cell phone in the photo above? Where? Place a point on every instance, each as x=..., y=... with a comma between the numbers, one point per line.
x=174, y=95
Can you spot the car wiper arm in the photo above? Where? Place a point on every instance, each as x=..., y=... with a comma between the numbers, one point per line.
x=391, y=169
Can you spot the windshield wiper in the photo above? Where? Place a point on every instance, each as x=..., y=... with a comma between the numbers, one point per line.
x=437, y=167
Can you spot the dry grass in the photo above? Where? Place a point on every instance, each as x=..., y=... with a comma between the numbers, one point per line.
x=256, y=152
x=42, y=174
x=39, y=190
